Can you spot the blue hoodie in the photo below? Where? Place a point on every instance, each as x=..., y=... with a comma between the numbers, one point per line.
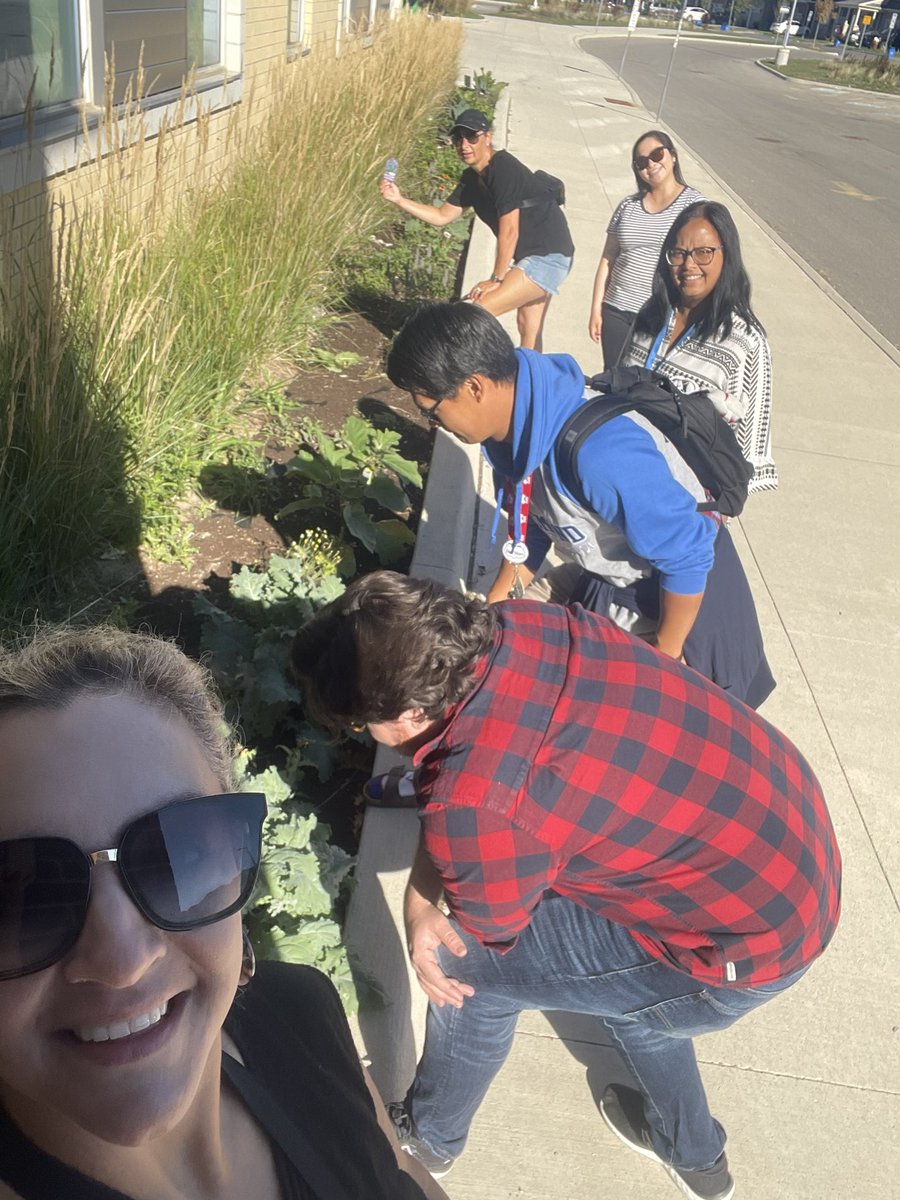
x=621, y=473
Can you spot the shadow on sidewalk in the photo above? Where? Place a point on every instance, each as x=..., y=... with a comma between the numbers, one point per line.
x=588, y=1042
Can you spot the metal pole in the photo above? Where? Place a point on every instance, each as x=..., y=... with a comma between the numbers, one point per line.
x=632, y=25
x=662, y=98
x=787, y=32
x=731, y=14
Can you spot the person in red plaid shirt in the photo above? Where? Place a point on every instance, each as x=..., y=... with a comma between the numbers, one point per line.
x=610, y=833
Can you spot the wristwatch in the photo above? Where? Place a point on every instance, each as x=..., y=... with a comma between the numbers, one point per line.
x=495, y=278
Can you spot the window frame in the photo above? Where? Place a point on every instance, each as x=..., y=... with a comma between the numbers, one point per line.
x=66, y=134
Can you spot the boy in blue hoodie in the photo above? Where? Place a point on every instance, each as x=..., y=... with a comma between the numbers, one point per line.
x=649, y=560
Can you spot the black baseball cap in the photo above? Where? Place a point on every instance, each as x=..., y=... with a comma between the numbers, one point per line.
x=473, y=120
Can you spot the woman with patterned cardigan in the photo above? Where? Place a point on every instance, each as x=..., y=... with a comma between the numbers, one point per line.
x=699, y=330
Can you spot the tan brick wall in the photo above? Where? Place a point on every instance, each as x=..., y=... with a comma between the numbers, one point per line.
x=266, y=32
x=322, y=21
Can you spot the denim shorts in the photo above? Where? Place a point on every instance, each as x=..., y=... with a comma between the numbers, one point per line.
x=548, y=271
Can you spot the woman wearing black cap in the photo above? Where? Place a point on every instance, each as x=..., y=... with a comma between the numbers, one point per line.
x=534, y=246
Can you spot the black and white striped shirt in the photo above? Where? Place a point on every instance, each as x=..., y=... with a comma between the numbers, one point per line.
x=640, y=235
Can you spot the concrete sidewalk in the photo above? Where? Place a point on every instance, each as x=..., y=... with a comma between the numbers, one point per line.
x=808, y=1087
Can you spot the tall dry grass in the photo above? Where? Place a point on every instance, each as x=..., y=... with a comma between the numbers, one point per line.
x=168, y=271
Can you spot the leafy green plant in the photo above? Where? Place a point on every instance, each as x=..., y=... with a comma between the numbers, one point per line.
x=359, y=473
x=334, y=361
x=293, y=914
x=302, y=880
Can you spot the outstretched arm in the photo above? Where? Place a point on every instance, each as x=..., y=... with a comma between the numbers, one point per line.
x=424, y=212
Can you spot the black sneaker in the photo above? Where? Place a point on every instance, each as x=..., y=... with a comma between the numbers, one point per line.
x=436, y=1164
x=623, y=1111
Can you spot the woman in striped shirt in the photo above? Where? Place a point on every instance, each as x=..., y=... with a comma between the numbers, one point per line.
x=634, y=238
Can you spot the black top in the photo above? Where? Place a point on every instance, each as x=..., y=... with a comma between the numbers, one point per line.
x=501, y=188
x=292, y=1033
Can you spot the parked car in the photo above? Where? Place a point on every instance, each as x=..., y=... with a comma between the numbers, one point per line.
x=697, y=15
x=782, y=27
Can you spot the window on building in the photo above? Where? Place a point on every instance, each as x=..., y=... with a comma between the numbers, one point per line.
x=40, y=54
x=52, y=51
x=166, y=37
x=297, y=32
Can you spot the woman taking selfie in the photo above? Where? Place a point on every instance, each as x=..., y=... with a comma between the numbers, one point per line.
x=700, y=331
x=139, y=1057
x=634, y=238
x=534, y=246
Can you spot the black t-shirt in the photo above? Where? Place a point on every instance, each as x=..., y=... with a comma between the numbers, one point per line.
x=292, y=1033
x=501, y=188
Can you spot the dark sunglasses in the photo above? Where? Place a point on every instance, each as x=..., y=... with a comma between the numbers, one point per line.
x=188, y=864
x=468, y=135
x=643, y=161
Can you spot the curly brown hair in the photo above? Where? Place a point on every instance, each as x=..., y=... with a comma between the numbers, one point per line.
x=389, y=645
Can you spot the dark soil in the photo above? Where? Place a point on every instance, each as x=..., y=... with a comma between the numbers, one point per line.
x=240, y=528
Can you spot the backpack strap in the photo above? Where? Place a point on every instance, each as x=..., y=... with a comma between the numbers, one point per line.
x=595, y=411
x=554, y=191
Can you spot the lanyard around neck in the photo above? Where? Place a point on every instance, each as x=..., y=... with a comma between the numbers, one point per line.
x=653, y=352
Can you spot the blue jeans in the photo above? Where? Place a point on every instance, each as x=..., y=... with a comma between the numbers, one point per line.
x=568, y=959
x=548, y=271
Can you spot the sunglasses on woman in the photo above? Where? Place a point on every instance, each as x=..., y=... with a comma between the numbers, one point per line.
x=188, y=864
x=466, y=135
x=643, y=161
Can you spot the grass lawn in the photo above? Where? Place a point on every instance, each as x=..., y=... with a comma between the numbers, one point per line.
x=882, y=78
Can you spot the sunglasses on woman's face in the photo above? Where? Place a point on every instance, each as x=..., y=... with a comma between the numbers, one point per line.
x=188, y=864
x=643, y=161
x=468, y=135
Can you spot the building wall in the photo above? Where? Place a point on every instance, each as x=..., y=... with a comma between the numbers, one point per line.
x=45, y=177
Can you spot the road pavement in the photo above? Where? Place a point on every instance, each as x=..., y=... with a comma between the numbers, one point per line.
x=807, y=1086
x=821, y=165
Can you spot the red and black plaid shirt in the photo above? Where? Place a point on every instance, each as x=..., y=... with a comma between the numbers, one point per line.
x=586, y=763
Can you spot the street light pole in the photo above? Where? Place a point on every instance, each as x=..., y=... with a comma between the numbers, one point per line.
x=787, y=32
x=632, y=25
x=662, y=98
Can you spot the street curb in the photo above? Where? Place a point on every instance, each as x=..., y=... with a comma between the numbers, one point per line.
x=834, y=87
x=773, y=71
x=390, y=1037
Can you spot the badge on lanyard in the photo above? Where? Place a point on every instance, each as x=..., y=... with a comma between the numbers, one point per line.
x=514, y=552
x=515, y=548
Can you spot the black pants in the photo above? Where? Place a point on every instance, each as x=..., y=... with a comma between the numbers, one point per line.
x=725, y=643
x=614, y=333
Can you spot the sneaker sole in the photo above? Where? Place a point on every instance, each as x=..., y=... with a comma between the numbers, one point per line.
x=648, y=1152
x=435, y=1173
